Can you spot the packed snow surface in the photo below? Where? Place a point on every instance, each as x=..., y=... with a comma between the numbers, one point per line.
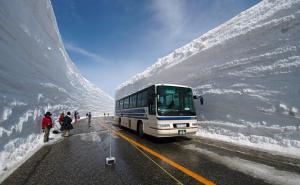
x=36, y=75
x=248, y=71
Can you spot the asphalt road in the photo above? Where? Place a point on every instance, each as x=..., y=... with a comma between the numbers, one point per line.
x=80, y=159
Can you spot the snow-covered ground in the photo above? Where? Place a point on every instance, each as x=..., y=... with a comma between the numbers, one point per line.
x=248, y=71
x=36, y=75
x=261, y=171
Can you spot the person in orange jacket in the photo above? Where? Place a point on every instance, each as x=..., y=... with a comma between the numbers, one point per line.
x=47, y=125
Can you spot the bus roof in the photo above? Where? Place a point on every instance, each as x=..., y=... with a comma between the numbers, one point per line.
x=172, y=85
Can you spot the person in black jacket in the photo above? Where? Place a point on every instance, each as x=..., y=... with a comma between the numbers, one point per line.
x=89, y=119
x=67, y=125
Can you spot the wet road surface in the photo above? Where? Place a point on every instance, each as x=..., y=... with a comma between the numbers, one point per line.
x=80, y=159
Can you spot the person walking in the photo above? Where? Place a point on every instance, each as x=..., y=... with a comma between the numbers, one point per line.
x=89, y=119
x=47, y=125
x=75, y=116
x=67, y=125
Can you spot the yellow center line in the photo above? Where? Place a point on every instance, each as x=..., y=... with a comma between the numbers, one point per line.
x=165, y=159
x=168, y=173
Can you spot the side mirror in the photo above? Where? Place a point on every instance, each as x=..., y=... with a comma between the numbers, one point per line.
x=201, y=100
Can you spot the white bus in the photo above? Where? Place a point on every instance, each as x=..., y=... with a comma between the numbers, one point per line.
x=160, y=110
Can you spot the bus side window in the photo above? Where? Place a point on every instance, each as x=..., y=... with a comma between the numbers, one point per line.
x=117, y=105
x=139, y=99
x=121, y=104
x=126, y=103
x=133, y=101
x=144, y=99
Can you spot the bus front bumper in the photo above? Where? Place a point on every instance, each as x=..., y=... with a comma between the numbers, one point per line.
x=173, y=132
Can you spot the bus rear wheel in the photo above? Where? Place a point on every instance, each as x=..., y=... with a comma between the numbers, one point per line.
x=140, y=130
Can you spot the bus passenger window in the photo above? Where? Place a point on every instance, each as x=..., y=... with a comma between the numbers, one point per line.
x=140, y=99
x=133, y=101
x=126, y=103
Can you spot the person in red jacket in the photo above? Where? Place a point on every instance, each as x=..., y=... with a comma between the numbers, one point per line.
x=61, y=118
x=47, y=125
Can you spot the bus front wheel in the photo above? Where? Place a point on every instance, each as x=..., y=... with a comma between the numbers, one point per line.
x=140, y=130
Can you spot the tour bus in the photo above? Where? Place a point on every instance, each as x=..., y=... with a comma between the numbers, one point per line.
x=160, y=110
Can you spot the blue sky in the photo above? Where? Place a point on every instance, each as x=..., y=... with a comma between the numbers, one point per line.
x=112, y=40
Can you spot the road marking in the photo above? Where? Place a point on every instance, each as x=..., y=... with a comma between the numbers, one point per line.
x=165, y=159
x=168, y=173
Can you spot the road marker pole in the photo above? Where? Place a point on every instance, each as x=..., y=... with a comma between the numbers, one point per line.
x=109, y=160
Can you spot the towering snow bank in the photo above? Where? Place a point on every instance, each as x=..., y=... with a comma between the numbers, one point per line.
x=248, y=71
x=36, y=75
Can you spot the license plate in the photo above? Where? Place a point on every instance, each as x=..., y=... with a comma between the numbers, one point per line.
x=181, y=132
x=181, y=125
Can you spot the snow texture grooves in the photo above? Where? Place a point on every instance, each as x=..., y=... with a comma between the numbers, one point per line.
x=36, y=75
x=248, y=71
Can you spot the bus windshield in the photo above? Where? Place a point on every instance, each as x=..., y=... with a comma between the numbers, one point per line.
x=175, y=101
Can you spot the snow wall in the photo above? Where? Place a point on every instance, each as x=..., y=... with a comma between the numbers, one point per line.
x=248, y=71
x=36, y=75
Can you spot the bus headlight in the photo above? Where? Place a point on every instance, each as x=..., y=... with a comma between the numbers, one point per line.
x=163, y=125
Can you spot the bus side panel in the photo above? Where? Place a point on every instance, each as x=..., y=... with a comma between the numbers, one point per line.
x=134, y=123
x=124, y=122
x=150, y=124
x=129, y=122
x=116, y=119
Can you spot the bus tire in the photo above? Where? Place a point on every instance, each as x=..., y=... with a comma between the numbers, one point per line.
x=140, y=130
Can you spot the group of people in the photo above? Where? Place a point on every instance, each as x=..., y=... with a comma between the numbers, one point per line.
x=64, y=120
x=65, y=123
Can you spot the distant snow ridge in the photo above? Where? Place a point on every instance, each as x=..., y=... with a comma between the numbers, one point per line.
x=36, y=75
x=248, y=71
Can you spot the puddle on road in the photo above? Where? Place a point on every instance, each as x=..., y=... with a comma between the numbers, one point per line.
x=93, y=137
